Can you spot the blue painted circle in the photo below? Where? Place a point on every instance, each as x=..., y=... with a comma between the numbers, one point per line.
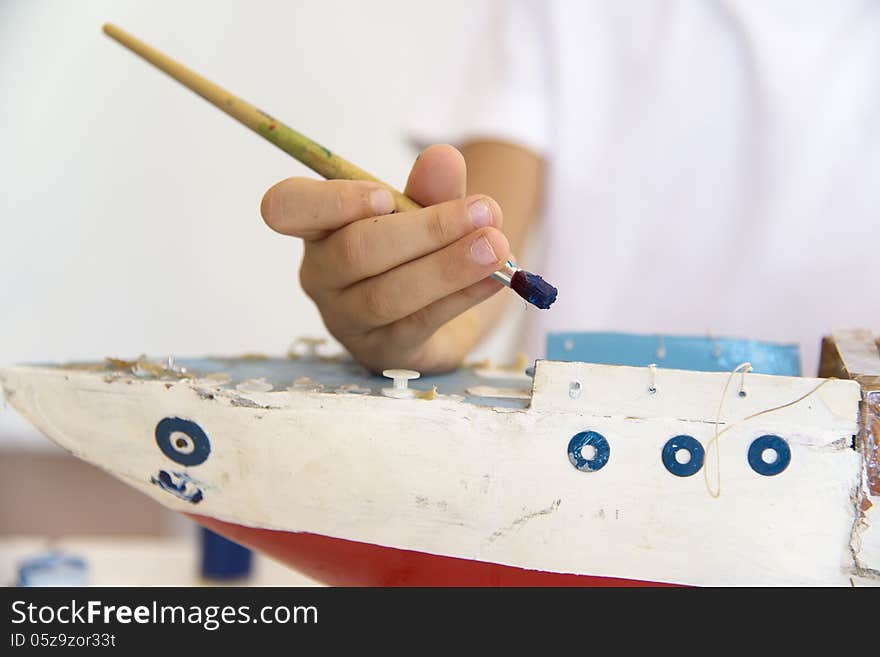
x=778, y=445
x=690, y=445
x=598, y=442
x=201, y=444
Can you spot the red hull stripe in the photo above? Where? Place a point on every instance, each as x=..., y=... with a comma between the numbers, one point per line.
x=340, y=562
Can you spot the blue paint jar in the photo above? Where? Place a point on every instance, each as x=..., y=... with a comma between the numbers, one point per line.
x=53, y=568
x=223, y=559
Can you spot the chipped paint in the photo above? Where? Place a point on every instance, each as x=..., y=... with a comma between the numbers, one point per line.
x=426, y=394
x=180, y=485
x=254, y=385
x=499, y=393
x=871, y=441
x=352, y=389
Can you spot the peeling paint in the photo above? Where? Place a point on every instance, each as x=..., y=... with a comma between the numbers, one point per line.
x=244, y=402
x=179, y=484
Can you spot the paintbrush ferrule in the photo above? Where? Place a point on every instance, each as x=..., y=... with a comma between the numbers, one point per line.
x=504, y=275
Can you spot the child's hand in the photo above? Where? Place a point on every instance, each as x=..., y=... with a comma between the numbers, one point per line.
x=388, y=285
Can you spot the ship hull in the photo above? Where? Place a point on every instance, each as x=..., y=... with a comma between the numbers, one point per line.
x=339, y=562
x=448, y=490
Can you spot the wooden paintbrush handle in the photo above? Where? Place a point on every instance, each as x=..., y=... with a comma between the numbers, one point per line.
x=312, y=154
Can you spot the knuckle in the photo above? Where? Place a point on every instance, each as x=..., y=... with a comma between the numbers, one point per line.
x=379, y=305
x=451, y=269
x=418, y=324
x=436, y=226
x=340, y=201
x=349, y=251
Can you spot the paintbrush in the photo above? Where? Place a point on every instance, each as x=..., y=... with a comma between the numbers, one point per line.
x=322, y=161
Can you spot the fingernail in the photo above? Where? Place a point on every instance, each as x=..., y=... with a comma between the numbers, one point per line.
x=479, y=213
x=482, y=252
x=381, y=201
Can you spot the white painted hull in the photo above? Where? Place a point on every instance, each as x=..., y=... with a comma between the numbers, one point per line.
x=495, y=484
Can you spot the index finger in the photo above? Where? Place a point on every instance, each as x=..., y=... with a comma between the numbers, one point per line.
x=312, y=209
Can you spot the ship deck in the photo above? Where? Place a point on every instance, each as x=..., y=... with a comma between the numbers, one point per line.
x=479, y=385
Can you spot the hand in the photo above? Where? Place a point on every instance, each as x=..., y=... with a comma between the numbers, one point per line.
x=395, y=288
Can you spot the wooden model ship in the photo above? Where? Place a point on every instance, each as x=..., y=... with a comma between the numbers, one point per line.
x=575, y=473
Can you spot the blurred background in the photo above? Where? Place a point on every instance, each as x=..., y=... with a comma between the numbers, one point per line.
x=130, y=215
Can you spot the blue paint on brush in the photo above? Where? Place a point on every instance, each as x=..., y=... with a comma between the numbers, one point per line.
x=533, y=289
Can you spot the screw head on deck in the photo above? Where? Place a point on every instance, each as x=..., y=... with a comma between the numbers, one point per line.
x=401, y=388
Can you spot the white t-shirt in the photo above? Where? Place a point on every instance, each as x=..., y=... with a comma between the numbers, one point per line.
x=711, y=164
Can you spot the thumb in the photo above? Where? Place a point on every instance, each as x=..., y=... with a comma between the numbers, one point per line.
x=439, y=174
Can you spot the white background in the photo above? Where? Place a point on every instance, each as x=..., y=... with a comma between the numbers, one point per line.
x=130, y=207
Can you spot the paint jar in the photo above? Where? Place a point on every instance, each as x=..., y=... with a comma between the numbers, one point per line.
x=223, y=560
x=53, y=568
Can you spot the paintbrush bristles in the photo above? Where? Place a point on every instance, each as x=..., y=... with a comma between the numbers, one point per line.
x=533, y=289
